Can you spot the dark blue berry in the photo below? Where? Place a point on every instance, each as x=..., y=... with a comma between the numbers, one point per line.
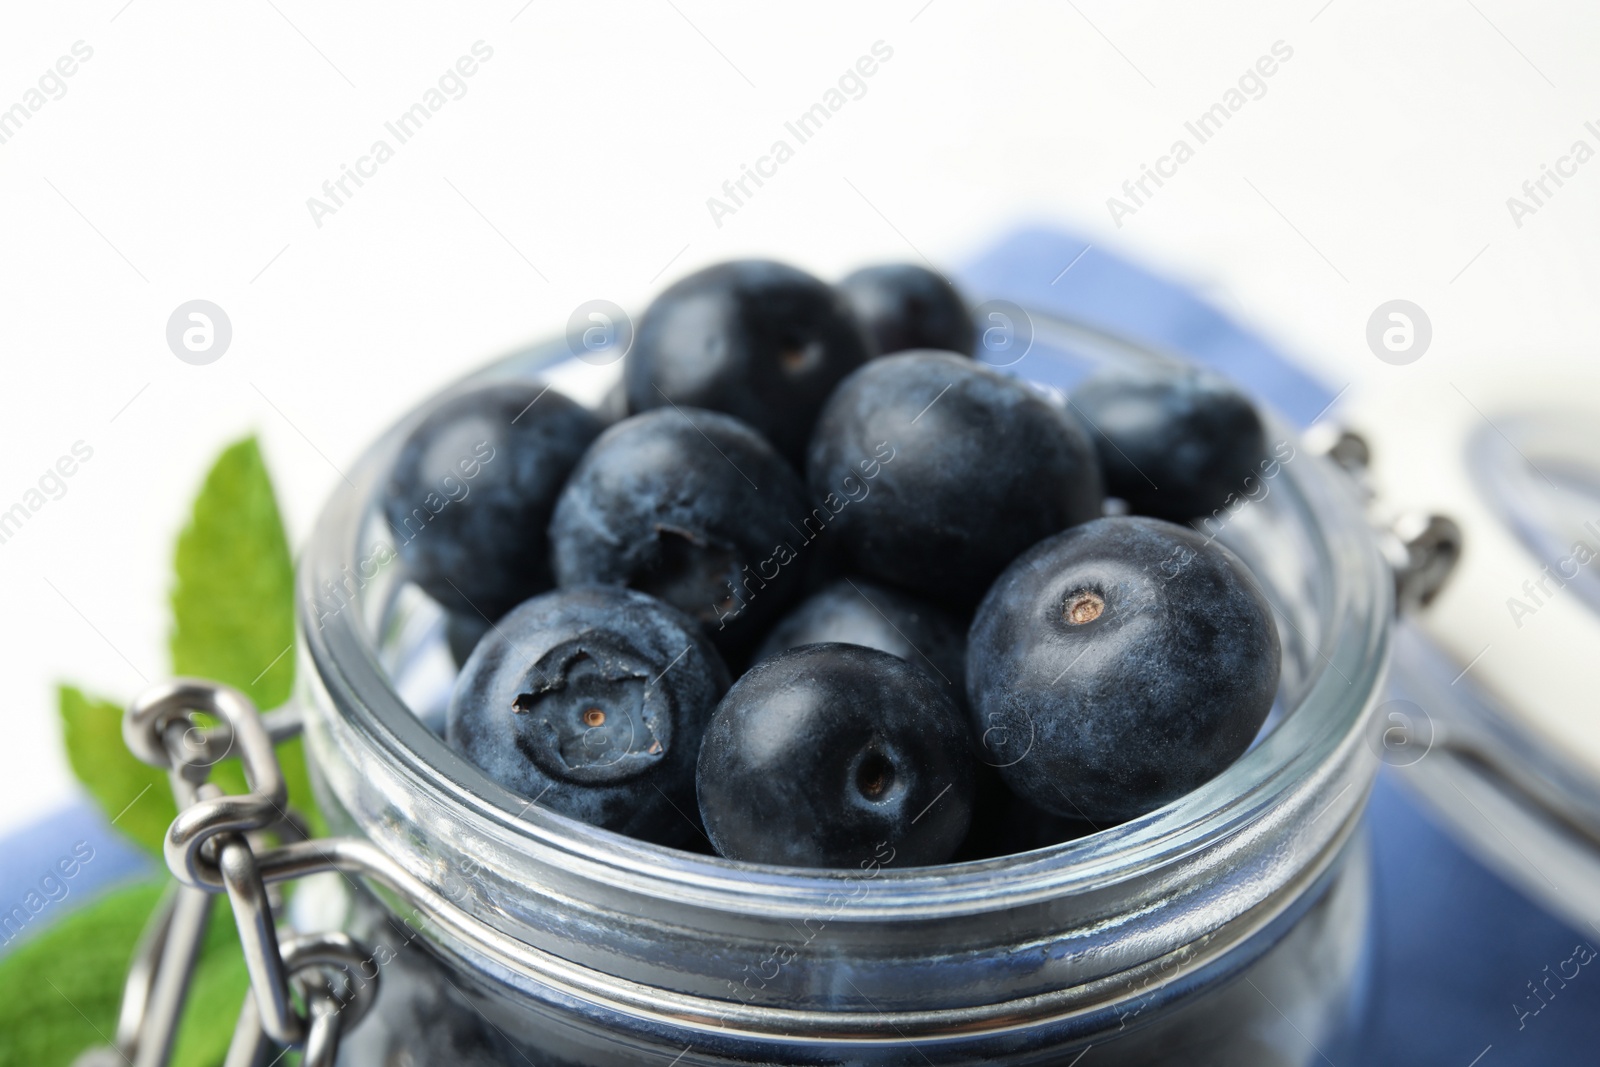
x=836, y=756
x=592, y=701
x=903, y=306
x=426, y=1018
x=855, y=611
x=759, y=340
x=1173, y=443
x=690, y=506
x=470, y=495
x=971, y=468
x=1116, y=666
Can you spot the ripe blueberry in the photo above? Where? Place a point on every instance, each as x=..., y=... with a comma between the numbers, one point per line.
x=983, y=467
x=592, y=702
x=903, y=306
x=836, y=756
x=690, y=506
x=855, y=611
x=471, y=493
x=1116, y=666
x=759, y=340
x=1173, y=443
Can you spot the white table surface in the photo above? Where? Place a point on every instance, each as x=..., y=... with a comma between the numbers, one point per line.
x=178, y=163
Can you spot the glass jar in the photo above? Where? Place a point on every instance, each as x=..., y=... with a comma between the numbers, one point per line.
x=1225, y=928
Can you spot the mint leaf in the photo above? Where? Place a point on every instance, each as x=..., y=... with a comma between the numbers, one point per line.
x=137, y=796
x=292, y=758
x=233, y=602
x=60, y=991
x=216, y=992
x=233, y=621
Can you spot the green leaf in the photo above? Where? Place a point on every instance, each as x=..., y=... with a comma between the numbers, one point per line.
x=216, y=993
x=135, y=795
x=292, y=758
x=233, y=621
x=233, y=602
x=60, y=991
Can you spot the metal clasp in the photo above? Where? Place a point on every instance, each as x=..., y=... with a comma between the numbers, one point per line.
x=1422, y=548
x=301, y=990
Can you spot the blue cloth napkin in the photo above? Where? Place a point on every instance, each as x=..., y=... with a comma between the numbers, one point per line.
x=36, y=888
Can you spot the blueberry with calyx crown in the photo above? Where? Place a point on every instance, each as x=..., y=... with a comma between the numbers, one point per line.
x=591, y=702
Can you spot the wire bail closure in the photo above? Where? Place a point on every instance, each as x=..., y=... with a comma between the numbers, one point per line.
x=303, y=993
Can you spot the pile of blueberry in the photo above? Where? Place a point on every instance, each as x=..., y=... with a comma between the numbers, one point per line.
x=835, y=587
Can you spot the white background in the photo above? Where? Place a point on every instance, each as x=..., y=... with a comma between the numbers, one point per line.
x=178, y=165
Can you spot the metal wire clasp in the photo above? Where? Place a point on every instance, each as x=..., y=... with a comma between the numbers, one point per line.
x=301, y=991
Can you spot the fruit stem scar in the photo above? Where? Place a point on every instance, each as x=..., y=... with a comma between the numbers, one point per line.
x=594, y=717
x=800, y=357
x=874, y=775
x=1084, y=606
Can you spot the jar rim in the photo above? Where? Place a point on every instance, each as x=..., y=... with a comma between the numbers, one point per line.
x=1324, y=727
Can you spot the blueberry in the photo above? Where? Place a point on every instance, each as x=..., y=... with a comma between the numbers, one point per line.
x=1116, y=666
x=836, y=756
x=470, y=496
x=936, y=471
x=592, y=702
x=854, y=611
x=690, y=506
x=903, y=306
x=426, y=1018
x=759, y=340
x=1173, y=443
